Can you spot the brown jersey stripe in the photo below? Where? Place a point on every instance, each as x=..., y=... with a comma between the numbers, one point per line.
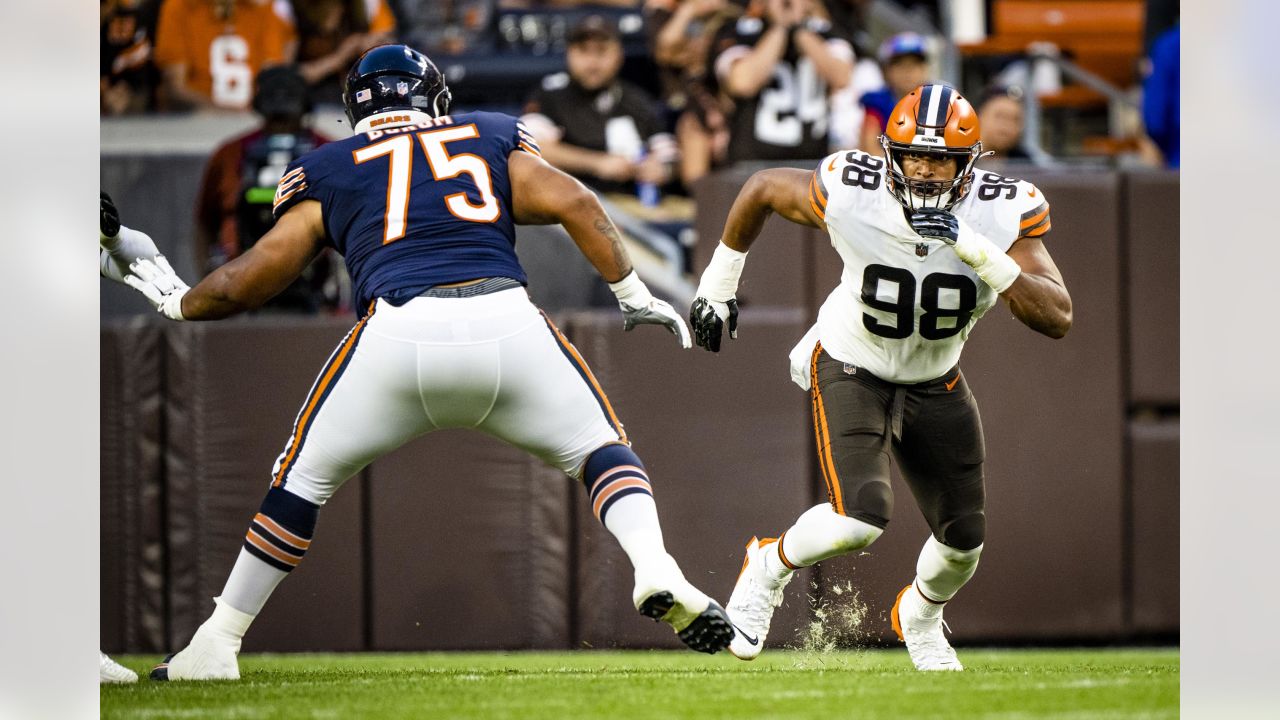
x=1033, y=216
x=819, y=209
x=1036, y=228
x=1038, y=231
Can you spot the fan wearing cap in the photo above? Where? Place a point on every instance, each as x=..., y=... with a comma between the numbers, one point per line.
x=233, y=205
x=595, y=126
x=928, y=243
x=905, y=61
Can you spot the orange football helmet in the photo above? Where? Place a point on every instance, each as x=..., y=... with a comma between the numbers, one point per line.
x=934, y=120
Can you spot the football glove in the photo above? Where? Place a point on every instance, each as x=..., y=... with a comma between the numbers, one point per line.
x=157, y=282
x=119, y=246
x=936, y=224
x=640, y=307
x=109, y=224
x=709, y=318
x=991, y=263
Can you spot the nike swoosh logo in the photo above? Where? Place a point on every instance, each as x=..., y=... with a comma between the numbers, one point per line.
x=1031, y=192
x=832, y=165
x=952, y=383
x=745, y=636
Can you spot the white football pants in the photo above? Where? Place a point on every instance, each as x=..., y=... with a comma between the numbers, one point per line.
x=494, y=363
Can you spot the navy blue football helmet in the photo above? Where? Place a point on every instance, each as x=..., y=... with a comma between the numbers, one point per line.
x=394, y=77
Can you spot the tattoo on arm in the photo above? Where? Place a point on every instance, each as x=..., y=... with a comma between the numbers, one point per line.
x=620, y=258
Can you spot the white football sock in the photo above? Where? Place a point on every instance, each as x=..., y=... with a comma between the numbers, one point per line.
x=941, y=571
x=633, y=520
x=250, y=584
x=819, y=533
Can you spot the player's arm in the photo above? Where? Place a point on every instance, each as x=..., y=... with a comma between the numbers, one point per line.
x=833, y=59
x=797, y=195
x=1038, y=297
x=247, y=281
x=543, y=195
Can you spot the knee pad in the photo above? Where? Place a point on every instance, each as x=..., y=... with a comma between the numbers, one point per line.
x=873, y=504
x=965, y=533
x=611, y=473
x=281, y=532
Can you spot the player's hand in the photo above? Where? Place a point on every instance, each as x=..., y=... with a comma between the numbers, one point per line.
x=656, y=312
x=936, y=224
x=640, y=307
x=109, y=222
x=162, y=287
x=709, y=318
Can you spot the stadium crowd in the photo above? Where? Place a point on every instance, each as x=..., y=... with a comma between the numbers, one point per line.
x=637, y=98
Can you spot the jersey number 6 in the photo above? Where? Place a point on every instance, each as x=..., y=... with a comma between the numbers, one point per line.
x=903, y=306
x=443, y=166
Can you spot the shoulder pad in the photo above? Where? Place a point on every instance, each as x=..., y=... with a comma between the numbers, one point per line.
x=556, y=81
x=1009, y=208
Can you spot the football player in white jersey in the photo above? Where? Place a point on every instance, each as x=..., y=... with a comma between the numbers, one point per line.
x=928, y=243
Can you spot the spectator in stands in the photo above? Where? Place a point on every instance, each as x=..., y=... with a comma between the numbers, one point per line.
x=1000, y=117
x=594, y=125
x=905, y=60
x=448, y=28
x=778, y=63
x=332, y=34
x=1162, y=98
x=210, y=50
x=127, y=79
x=680, y=33
x=234, y=204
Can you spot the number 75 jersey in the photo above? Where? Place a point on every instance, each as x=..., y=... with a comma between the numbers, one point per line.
x=905, y=305
x=415, y=201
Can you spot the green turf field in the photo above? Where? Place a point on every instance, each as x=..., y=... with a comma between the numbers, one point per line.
x=665, y=685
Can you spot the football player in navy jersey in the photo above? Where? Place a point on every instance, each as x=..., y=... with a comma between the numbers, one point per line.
x=422, y=206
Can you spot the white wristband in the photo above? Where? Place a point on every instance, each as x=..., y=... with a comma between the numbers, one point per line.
x=172, y=306
x=631, y=291
x=992, y=264
x=720, y=279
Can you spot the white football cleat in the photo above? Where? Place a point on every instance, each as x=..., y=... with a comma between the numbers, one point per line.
x=110, y=671
x=206, y=657
x=754, y=598
x=663, y=594
x=926, y=644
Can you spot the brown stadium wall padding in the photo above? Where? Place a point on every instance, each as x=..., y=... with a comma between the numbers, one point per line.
x=726, y=440
x=132, y=543
x=234, y=389
x=1155, y=526
x=469, y=547
x=776, y=274
x=1152, y=237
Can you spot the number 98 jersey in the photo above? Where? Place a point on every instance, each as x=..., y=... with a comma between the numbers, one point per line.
x=415, y=201
x=905, y=305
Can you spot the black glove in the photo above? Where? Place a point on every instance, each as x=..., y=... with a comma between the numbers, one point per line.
x=109, y=222
x=936, y=224
x=708, y=318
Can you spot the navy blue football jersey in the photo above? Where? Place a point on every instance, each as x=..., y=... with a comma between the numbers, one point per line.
x=418, y=205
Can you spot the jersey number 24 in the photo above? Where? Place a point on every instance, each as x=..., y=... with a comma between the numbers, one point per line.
x=443, y=166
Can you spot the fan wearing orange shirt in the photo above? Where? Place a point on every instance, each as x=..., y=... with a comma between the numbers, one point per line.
x=210, y=50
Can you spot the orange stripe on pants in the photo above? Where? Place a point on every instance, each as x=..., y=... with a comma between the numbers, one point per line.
x=823, y=436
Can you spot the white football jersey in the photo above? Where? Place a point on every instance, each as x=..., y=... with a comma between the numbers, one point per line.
x=905, y=305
